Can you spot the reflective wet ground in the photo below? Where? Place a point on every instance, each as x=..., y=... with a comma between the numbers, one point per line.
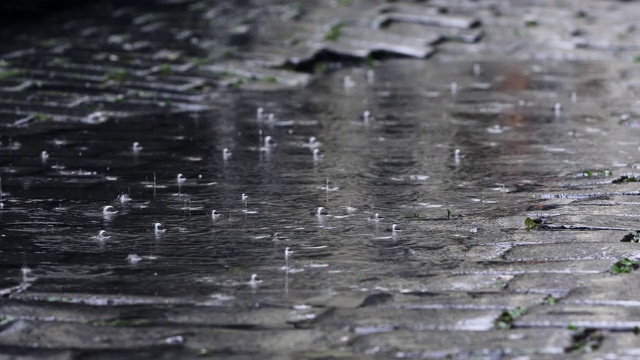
x=457, y=151
x=351, y=286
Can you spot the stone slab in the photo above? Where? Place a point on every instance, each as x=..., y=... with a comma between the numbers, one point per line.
x=56, y=335
x=573, y=251
x=582, y=316
x=368, y=320
x=464, y=344
x=471, y=301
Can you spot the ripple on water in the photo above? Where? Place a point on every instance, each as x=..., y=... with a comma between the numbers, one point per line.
x=400, y=164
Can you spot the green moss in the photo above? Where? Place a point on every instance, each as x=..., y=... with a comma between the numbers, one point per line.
x=145, y=94
x=4, y=320
x=319, y=68
x=6, y=71
x=369, y=62
x=49, y=42
x=585, y=340
x=550, y=300
x=59, y=61
x=591, y=173
x=10, y=73
x=204, y=352
x=165, y=69
x=270, y=79
x=531, y=224
x=625, y=265
x=119, y=76
x=505, y=321
x=293, y=12
x=41, y=117
x=334, y=32
x=230, y=52
x=499, y=284
x=633, y=236
x=238, y=83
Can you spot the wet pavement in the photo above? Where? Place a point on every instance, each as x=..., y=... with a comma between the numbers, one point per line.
x=499, y=138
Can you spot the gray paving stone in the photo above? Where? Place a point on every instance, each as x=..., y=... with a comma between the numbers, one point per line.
x=464, y=344
x=350, y=300
x=262, y=318
x=442, y=283
x=557, y=284
x=594, y=217
x=21, y=354
x=103, y=299
x=617, y=346
x=68, y=335
x=536, y=266
x=587, y=316
x=584, y=251
x=616, y=292
x=357, y=43
x=261, y=74
x=55, y=312
x=425, y=19
x=370, y=320
x=542, y=357
x=558, y=237
x=460, y=300
x=60, y=308
x=54, y=335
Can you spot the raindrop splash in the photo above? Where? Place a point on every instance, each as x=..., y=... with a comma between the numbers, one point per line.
x=557, y=110
x=136, y=147
x=159, y=229
x=226, y=154
x=317, y=154
x=254, y=281
x=366, y=117
x=109, y=210
x=44, y=156
x=124, y=198
x=477, y=70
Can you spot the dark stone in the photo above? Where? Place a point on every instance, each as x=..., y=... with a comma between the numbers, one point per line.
x=376, y=299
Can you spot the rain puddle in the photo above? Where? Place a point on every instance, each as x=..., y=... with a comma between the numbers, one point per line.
x=297, y=233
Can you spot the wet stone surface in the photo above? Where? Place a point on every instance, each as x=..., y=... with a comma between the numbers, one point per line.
x=454, y=120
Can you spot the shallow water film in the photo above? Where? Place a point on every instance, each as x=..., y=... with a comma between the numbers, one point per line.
x=349, y=206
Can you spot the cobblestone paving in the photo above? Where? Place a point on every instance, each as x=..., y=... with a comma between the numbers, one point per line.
x=530, y=294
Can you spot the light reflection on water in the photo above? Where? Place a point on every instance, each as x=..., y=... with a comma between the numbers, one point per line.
x=400, y=165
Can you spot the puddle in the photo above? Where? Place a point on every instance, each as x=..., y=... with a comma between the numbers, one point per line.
x=403, y=144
